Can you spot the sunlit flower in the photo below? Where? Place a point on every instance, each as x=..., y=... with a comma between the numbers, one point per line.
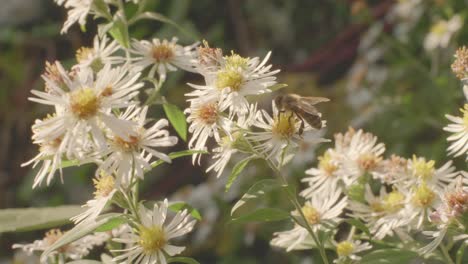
x=162, y=56
x=320, y=211
x=150, y=242
x=78, y=10
x=102, y=53
x=348, y=249
x=83, y=107
x=129, y=158
x=105, y=189
x=206, y=121
x=384, y=214
x=422, y=200
x=459, y=130
x=75, y=250
x=442, y=32
x=325, y=176
x=236, y=78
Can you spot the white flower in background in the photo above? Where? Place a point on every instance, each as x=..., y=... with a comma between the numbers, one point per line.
x=162, y=56
x=206, y=120
x=405, y=14
x=127, y=158
x=459, y=130
x=348, y=249
x=321, y=210
x=150, y=242
x=236, y=78
x=83, y=105
x=325, y=176
x=363, y=154
x=424, y=171
x=105, y=190
x=384, y=214
x=280, y=131
x=102, y=53
x=229, y=144
x=442, y=32
x=75, y=250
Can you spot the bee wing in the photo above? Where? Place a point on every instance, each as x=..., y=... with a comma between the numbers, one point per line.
x=313, y=100
x=307, y=104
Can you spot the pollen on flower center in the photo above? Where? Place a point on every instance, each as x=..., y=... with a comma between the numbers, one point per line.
x=152, y=238
x=458, y=202
x=127, y=146
x=460, y=65
x=423, y=196
x=325, y=164
x=108, y=91
x=83, y=53
x=235, y=61
x=393, y=202
x=344, y=248
x=104, y=185
x=162, y=53
x=284, y=125
x=84, y=103
x=311, y=214
x=208, y=113
x=423, y=169
x=231, y=78
x=368, y=161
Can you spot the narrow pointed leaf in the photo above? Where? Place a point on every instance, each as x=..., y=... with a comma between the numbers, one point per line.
x=238, y=168
x=262, y=215
x=177, y=119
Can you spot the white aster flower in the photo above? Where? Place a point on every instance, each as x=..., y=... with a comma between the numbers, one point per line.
x=75, y=250
x=127, y=158
x=405, y=14
x=149, y=244
x=280, y=133
x=102, y=53
x=105, y=190
x=78, y=10
x=422, y=200
x=392, y=171
x=442, y=32
x=459, y=130
x=321, y=211
x=348, y=249
x=206, y=120
x=325, y=176
x=236, y=78
x=384, y=214
x=162, y=56
x=84, y=105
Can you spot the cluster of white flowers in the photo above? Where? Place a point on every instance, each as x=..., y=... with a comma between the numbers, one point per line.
x=391, y=196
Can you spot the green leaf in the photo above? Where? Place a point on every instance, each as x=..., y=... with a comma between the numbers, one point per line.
x=177, y=119
x=119, y=32
x=359, y=225
x=176, y=207
x=78, y=232
x=389, y=256
x=29, y=219
x=238, y=168
x=255, y=192
x=175, y=155
x=262, y=215
x=111, y=224
x=182, y=260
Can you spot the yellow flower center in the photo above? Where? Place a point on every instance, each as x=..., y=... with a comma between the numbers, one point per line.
x=423, y=169
x=162, y=53
x=284, y=125
x=464, y=110
x=208, y=113
x=231, y=78
x=325, y=164
x=85, y=53
x=127, y=146
x=235, y=61
x=344, y=248
x=393, y=202
x=423, y=196
x=368, y=161
x=104, y=185
x=311, y=214
x=152, y=238
x=439, y=28
x=84, y=103
x=377, y=207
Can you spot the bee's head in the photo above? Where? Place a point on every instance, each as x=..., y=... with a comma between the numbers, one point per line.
x=279, y=101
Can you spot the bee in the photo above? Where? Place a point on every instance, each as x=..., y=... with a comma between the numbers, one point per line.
x=302, y=107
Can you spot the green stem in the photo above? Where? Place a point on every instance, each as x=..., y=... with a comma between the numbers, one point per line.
x=460, y=253
x=446, y=254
